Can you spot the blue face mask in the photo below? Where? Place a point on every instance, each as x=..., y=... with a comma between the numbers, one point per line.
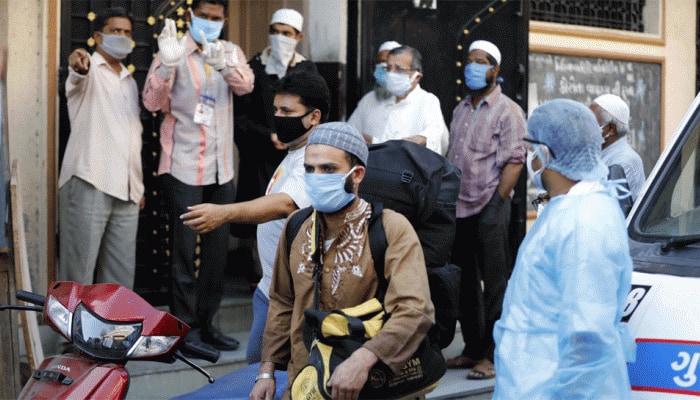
x=211, y=29
x=475, y=75
x=327, y=191
x=380, y=74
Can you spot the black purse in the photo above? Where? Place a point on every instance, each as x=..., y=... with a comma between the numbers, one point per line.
x=332, y=336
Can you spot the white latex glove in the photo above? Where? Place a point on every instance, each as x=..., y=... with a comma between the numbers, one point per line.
x=170, y=48
x=213, y=53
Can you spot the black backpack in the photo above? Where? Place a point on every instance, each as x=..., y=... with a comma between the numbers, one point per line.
x=423, y=186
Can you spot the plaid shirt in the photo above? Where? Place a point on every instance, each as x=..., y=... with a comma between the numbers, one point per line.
x=482, y=141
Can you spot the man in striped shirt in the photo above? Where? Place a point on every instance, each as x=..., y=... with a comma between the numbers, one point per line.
x=192, y=81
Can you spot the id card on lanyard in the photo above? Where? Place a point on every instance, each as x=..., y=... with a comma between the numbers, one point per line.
x=204, y=110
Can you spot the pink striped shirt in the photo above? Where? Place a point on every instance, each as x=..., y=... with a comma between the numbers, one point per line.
x=196, y=154
x=482, y=141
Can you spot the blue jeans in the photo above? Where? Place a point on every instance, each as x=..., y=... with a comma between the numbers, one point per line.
x=260, y=306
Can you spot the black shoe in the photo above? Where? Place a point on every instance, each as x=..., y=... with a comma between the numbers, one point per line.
x=219, y=340
x=194, y=347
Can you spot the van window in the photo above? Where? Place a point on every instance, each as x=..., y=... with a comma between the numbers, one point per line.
x=671, y=207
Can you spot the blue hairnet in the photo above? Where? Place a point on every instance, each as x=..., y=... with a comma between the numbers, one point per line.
x=571, y=131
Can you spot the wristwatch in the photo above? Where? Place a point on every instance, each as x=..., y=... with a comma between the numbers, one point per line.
x=264, y=375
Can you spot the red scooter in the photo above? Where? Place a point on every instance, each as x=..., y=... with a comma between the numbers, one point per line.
x=106, y=325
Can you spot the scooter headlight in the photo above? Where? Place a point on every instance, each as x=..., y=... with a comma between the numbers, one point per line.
x=103, y=339
x=149, y=346
x=59, y=316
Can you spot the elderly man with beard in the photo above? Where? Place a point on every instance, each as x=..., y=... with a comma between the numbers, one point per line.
x=411, y=113
x=379, y=94
x=486, y=143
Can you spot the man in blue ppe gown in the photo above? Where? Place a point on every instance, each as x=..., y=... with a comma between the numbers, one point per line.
x=560, y=334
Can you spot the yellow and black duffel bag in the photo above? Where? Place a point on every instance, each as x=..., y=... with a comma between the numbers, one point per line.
x=340, y=332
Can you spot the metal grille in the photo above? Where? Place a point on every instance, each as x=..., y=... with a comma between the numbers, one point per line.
x=621, y=14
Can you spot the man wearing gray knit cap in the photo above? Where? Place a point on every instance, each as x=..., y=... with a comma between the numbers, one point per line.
x=335, y=160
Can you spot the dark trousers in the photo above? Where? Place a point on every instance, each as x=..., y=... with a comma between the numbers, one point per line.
x=195, y=298
x=481, y=249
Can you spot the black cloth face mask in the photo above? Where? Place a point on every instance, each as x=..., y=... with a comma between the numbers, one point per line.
x=290, y=128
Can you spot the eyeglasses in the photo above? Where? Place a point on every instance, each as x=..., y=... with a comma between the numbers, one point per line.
x=538, y=202
x=546, y=148
x=397, y=68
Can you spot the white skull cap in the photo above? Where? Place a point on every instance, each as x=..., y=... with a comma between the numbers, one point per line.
x=487, y=47
x=389, y=45
x=615, y=106
x=289, y=17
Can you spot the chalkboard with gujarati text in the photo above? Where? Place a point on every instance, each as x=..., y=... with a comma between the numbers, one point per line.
x=585, y=78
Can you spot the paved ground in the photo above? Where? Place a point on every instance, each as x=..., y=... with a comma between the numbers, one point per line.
x=455, y=385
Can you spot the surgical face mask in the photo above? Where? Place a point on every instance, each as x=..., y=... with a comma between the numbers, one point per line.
x=117, y=46
x=536, y=176
x=399, y=84
x=211, y=29
x=327, y=192
x=290, y=128
x=380, y=74
x=475, y=75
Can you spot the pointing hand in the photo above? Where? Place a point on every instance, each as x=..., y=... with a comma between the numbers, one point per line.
x=79, y=60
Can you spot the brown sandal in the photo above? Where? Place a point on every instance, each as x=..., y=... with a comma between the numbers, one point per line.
x=460, y=362
x=484, y=369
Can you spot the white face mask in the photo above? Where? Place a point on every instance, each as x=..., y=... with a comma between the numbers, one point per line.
x=536, y=176
x=399, y=84
x=116, y=46
x=282, y=50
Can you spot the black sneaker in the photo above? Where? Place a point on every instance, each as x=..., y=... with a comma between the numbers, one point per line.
x=220, y=341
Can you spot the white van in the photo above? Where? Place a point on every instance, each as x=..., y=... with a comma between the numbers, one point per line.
x=663, y=307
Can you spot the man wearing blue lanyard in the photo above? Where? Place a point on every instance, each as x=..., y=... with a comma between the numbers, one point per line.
x=192, y=81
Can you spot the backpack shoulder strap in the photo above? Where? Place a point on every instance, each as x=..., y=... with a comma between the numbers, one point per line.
x=294, y=224
x=377, y=238
x=378, y=245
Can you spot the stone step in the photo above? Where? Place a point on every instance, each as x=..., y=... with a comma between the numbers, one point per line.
x=153, y=380
x=160, y=381
x=235, y=314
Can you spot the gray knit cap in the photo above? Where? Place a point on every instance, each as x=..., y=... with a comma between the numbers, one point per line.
x=342, y=136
